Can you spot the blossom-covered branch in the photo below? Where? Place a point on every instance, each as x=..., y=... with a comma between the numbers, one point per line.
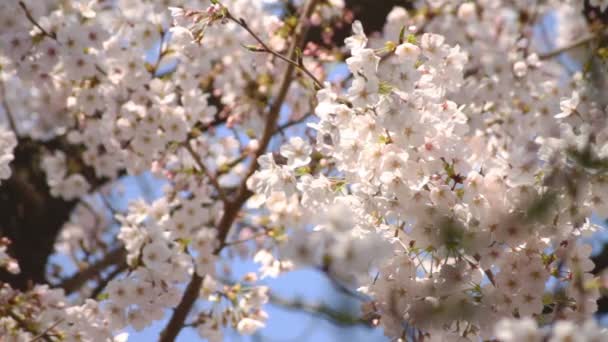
x=445, y=177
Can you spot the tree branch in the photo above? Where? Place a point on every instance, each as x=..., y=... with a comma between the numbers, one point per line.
x=7, y=109
x=231, y=209
x=183, y=308
x=114, y=257
x=43, y=334
x=27, y=327
x=251, y=238
x=336, y=316
x=105, y=281
x=201, y=165
x=31, y=19
x=190, y=296
x=281, y=129
x=570, y=46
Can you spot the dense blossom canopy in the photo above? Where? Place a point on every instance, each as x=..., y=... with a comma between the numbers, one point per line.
x=449, y=176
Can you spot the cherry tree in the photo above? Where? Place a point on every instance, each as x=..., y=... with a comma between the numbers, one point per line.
x=451, y=177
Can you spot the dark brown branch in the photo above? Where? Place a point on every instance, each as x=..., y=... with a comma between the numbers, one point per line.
x=114, y=257
x=191, y=294
x=105, y=281
x=281, y=129
x=183, y=308
x=31, y=19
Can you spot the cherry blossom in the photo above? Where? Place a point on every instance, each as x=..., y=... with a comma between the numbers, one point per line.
x=449, y=180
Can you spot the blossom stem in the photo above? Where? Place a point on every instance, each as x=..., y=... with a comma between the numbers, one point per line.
x=31, y=19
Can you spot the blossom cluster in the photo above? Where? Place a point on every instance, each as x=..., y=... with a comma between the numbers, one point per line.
x=528, y=330
x=6, y=262
x=92, y=79
x=450, y=178
x=46, y=308
x=481, y=202
x=8, y=142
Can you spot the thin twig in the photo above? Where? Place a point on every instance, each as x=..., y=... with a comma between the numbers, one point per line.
x=114, y=212
x=29, y=16
x=46, y=331
x=338, y=317
x=227, y=167
x=212, y=178
x=265, y=48
x=26, y=326
x=570, y=46
x=162, y=51
x=51, y=35
x=105, y=281
x=273, y=113
x=288, y=124
x=7, y=110
x=114, y=257
x=237, y=242
x=97, y=217
x=345, y=289
x=109, y=205
x=488, y=272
